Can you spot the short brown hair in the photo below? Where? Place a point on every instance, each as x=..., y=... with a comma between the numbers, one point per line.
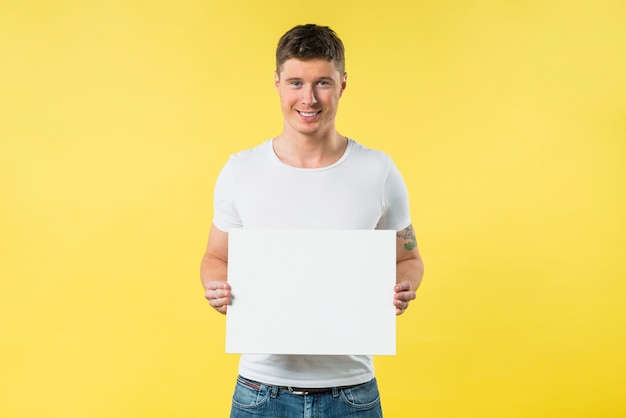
x=307, y=42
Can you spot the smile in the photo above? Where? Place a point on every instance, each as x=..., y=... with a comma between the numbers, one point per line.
x=308, y=114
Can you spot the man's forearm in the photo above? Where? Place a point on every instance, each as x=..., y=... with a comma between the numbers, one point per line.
x=213, y=269
x=410, y=270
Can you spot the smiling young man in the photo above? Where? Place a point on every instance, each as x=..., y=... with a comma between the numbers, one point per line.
x=309, y=177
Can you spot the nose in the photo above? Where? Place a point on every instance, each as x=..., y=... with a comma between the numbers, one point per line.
x=308, y=95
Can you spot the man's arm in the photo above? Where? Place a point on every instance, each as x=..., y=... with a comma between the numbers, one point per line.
x=409, y=269
x=214, y=270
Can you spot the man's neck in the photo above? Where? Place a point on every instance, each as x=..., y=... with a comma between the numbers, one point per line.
x=305, y=151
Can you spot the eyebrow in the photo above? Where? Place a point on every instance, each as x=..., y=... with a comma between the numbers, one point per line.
x=324, y=78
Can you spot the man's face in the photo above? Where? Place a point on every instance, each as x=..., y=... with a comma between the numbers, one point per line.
x=309, y=95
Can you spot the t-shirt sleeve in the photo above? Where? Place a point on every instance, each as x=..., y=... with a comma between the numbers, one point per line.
x=225, y=215
x=396, y=211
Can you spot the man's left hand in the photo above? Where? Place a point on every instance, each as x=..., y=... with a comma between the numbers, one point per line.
x=403, y=296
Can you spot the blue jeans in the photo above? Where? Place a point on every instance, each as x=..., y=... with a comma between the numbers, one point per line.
x=254, y=399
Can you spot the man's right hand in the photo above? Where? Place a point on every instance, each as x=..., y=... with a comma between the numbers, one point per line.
x=218, y=294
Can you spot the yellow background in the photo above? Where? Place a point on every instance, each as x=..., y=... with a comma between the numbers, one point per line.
x=507, y=119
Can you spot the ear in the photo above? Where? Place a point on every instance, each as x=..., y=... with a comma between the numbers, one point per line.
x=276, y=79
x=344, y=82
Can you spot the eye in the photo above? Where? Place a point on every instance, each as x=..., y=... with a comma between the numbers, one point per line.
x=295, y=83
x=324, y=83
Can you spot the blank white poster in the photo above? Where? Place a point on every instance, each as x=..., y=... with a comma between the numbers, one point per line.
x=311, y=292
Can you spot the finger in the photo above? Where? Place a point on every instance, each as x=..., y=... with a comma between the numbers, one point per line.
x=218, y=303
x=217, y=285
x=405, y=296
x=401, y=304
x=402, y=286
x=221, y=309
x=209, y=294
x=217, y=292
x=222, y=293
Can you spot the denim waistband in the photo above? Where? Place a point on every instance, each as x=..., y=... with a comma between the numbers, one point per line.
x=295, y=390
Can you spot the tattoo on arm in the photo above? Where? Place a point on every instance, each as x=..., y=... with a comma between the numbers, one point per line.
x=408, y=234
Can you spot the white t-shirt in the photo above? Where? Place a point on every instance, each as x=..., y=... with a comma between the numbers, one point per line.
x=362, y=190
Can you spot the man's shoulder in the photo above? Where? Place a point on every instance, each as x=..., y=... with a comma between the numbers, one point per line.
x=252, y=154
x=363, y=152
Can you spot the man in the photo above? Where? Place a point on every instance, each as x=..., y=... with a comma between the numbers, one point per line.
x=309, y=177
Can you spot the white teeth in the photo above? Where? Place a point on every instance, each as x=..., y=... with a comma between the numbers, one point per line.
x=308, y=114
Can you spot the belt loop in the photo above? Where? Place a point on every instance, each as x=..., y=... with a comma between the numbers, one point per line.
x=335, y=392
x=273, y=391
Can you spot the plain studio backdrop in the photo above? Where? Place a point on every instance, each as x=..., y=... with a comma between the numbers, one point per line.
x=506, y=118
